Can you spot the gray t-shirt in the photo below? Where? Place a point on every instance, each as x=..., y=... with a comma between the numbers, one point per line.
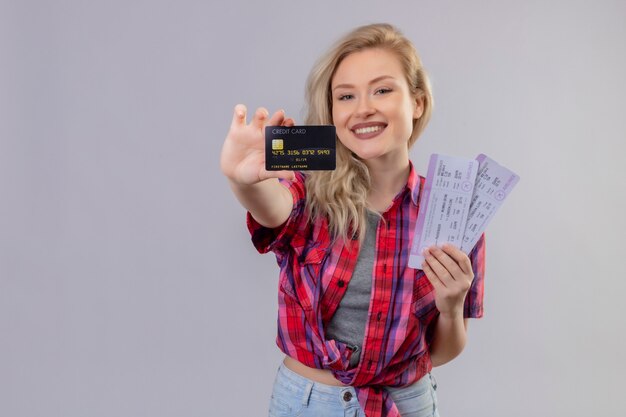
x=348, y=323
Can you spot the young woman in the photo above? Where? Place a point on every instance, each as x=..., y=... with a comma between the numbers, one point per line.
x=360, y=329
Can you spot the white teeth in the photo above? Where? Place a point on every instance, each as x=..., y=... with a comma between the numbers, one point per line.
x=367, y=130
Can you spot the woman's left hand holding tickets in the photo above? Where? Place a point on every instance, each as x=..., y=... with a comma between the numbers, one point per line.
x=450, y=272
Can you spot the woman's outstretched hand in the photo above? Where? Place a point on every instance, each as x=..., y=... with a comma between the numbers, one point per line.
x=243, y=153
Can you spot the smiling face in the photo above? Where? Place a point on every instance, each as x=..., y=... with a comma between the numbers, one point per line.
x=373, y=107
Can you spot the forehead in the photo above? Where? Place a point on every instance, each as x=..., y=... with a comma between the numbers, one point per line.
x=364, y=66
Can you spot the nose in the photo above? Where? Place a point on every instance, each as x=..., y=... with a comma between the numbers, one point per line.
x=364, y=107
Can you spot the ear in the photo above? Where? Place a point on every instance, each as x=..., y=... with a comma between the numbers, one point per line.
x=419, y=107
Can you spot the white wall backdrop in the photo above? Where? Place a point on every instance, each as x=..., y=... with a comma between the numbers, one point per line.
x=128, y=284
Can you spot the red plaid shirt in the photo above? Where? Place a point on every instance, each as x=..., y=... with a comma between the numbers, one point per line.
x=314, y=275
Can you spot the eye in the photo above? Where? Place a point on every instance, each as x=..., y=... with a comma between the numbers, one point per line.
x=383, y=90
x=344, y=97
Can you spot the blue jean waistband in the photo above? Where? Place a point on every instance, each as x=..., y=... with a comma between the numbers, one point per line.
x=303, y=386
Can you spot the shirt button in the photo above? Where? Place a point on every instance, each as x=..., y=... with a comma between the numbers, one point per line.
x=379, y=316
x=340, y=283
x=347, y=396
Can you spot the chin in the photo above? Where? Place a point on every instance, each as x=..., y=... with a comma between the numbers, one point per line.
x=366, y=156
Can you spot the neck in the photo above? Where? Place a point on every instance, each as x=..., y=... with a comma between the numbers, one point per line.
x=386, y=182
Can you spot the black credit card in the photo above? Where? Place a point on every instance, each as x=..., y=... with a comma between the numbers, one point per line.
x=300, y=148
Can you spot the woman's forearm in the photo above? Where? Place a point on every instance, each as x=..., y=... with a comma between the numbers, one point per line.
x=268, y=202
x=449, y=339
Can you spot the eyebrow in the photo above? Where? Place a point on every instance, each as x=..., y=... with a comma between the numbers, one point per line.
x=375, y=80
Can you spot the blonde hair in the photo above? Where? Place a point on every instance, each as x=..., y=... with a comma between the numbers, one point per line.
x=341, y=195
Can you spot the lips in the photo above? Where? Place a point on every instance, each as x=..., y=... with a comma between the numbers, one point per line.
x=368, y=130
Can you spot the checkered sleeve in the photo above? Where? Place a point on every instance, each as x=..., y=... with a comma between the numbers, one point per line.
x=278, y=239
x=473, y=307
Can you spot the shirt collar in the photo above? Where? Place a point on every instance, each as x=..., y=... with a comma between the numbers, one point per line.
x=412, y=186
x=413, y=183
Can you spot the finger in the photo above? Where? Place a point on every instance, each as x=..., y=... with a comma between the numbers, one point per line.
x=260, y=116
x=460, y=257
x=239, y=115
x=277, y=118
x=432, y=277
x=448, y=262
x=440, y=271
x=289, y=122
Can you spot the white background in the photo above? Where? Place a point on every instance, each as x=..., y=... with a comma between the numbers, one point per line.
x=128, y=284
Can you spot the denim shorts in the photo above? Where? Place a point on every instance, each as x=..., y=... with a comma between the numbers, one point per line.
x=294, y=395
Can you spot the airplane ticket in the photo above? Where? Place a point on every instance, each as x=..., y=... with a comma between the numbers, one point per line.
x=493, y=184
x=444, y=204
